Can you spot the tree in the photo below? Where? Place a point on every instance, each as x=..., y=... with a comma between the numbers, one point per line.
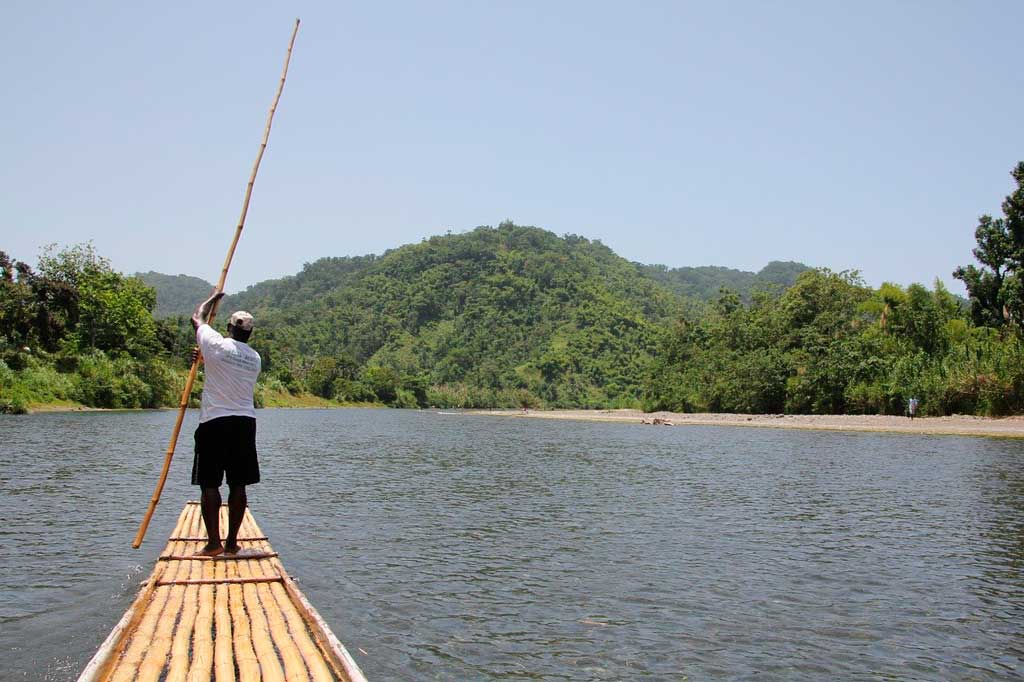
x=108, y=311
x=917, y=316
x=35, y=310
x=996, y=288
x=18, y=304
x=384, y=382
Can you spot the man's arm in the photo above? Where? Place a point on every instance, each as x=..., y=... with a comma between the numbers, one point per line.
x=202, y=311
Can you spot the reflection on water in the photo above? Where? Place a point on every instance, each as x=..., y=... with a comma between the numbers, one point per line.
x=462, y=547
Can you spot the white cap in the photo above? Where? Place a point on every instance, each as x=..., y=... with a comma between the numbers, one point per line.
x=241, y=320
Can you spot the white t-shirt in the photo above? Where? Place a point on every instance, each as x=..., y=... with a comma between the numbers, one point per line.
x=232, y=368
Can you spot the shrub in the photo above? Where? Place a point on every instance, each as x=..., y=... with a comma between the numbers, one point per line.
x=405, y=399
x=13, y=404
x=348, y=391
x=103, y=382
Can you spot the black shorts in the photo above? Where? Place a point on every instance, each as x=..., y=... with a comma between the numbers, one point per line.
x=226, y=445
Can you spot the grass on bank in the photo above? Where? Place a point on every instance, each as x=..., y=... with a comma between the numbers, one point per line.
x=100, y=383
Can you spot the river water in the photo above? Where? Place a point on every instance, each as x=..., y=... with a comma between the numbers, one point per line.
x=461, y=547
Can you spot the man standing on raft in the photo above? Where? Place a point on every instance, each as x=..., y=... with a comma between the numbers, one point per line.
x=226, y=436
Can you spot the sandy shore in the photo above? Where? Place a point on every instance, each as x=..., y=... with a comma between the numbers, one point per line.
x=956, y=425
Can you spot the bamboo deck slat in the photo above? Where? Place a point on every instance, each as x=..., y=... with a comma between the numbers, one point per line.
x=198, y=668
x=240, y=619
x=183, y=635
x=202, y=538
x=224, y=661
x=219, y=557
x=245, y=653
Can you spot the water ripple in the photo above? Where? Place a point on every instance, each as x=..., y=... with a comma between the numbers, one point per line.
x=464, y=547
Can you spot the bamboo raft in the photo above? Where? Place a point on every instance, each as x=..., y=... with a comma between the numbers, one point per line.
x=225, y=619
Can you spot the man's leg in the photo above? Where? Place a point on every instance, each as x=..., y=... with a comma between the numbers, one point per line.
x=211, y=517
x=237, y=502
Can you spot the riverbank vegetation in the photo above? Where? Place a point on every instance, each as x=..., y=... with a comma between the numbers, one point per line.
x=831, y=345
x=75, y=330
x=516, y=316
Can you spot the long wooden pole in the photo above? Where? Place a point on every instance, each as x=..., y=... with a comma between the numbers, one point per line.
x=220, y=287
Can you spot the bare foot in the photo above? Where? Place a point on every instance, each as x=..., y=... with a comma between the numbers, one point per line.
x=231, y=549
x=210, y=550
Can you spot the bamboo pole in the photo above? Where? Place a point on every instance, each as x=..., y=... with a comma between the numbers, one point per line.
x=259, y=629
x=245, y=655
x=213, y=311
x=128, y=664
x=161, y=646
x=287, y=645
x=318, y=669
x=224, y=662
x=179, y=663
x=333, y=652
x=106, y=656
x=201, y=662
x=202, y=538
x=181, y=555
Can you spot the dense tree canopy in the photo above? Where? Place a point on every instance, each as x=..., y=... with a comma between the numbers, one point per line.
x=997, y=287
x=501, y=315
x=830, y=344
x=77, y=330
x=175, y=294
x=76, y=302
x=515, y=315
x=704, y=283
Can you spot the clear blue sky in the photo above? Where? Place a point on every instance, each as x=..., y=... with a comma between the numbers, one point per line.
x=866, y=135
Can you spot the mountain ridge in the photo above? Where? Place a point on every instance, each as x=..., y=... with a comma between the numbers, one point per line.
x=178, y=294
x=510, y=310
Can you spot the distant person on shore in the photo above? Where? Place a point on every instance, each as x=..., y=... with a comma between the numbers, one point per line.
x=912, y=407
x=226, y=436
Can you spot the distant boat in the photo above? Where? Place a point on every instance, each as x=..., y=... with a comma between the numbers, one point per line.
x=239, y=618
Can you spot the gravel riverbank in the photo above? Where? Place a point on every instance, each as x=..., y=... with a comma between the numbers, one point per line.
x=956, y=425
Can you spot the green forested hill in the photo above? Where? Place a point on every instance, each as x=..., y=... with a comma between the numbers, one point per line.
x=519, y=316
x=315, y=279
x=516, y=315
x=175, y=294
x=178, y=294
x=705, y=283
x=498, y=315
x=509, y=315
